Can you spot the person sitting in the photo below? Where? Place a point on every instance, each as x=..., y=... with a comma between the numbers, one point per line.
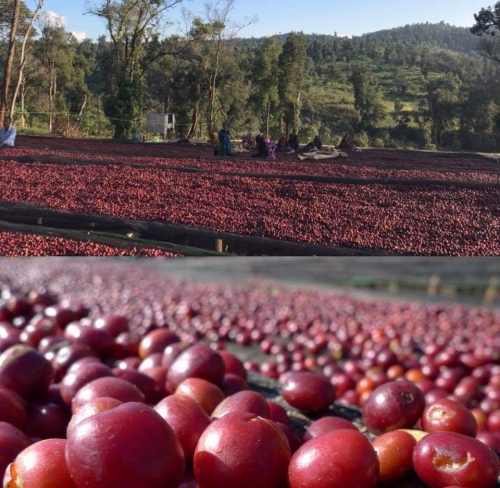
x=8, y=133
x=293, y=141
x=283, y=145
x=247, y=142
x=262, y=150
x=213, y=139
x=138, y=137
x=265, y=147
x=271, y=147
x=183, y=139
x=315, y=145
x=224, y=147
x=345, y=143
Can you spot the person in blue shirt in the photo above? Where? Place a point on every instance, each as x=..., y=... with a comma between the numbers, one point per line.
x=224, y=147
x=8, y=133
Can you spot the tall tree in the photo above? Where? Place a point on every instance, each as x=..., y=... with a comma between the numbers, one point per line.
x=368, y=98
x=23, y=57
x=487, y=27
x=131, y=25
x=292, y=62
x=4, y=95
x=265, y=79
x=402, y=81
x=48, y=51
x=442, y=104
x=63, y=70
x=214, y=35
x=159, y=75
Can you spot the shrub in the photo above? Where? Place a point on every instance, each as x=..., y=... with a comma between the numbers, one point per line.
x=489, y=144
x=361, y=139
x=378, y=142
x=307, y=133
x=421, y=137
x=475, y=140
x=32, y=131
x=454, y=146
x=447, y=139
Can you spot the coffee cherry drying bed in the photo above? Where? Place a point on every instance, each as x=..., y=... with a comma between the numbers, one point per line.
x=300, y=421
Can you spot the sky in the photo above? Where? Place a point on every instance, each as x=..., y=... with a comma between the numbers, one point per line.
x=346, y=17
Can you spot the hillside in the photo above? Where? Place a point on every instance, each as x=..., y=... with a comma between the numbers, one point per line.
x=402, y=61
x=442, y=35
x=399, y=58
x=412, y=86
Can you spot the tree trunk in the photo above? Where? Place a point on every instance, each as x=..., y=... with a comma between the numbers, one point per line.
x=296, y=121
x=52, y=95
x=268, y=117
x=119, y=132
x=23, y=105
x=23, y=57
x=18, y=87
x=50, y=108
x=211, y=110
x=213, y=88
x=167, y=101
x=10, y=58
x=84, y=104
x=435, y=135
x=194, y=123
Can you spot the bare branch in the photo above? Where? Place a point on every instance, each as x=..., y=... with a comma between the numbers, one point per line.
x=130, y=25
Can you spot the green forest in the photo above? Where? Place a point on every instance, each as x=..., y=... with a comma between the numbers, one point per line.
x=422, y=86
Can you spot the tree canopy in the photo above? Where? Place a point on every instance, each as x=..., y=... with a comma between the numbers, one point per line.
x=421, y=86
x=487, y=27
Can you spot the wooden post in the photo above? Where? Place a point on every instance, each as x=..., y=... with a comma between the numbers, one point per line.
x=449, y=290
x=434, y=285
x=393, y=286
x=219, y=245
x=492, y=292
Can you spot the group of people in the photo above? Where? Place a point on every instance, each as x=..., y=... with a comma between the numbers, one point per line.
x=263, y=145
x=288, y=144
x=224, y=147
